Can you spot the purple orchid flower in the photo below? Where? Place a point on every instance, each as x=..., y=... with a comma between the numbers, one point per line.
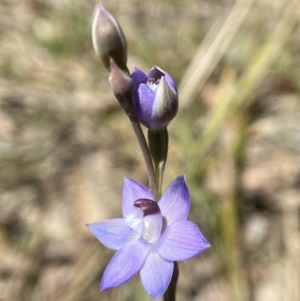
x=149, y=237
x=156, y=97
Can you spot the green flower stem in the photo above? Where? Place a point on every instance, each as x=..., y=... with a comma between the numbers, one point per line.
x=170, y=294
x=146, y=154
x=158, y=146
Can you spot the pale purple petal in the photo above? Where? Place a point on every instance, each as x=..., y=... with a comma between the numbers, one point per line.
x=144, y=101
x=133, y=191
x=125, y=264
x=112, y=233
x=180, y=241
x=175, y=202
x=156, y=274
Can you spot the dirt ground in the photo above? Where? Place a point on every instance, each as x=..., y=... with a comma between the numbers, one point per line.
x=65, y=145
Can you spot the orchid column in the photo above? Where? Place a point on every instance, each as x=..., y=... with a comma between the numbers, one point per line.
x=154, y=232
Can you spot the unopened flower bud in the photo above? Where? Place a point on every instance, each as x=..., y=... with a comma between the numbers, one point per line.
x=108, y=38
x=123, y=88
x=156, y=98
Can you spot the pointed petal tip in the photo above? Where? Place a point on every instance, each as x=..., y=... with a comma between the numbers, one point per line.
x=99, y=4
x=90, y=226
x=155, y=67
x=97, y=9
x=136, y=69
x=206, y=246
x=181, y=178
x=100, y=7
x=129, y=181
x=126, y=180
x=104, y=287
x=204, y=243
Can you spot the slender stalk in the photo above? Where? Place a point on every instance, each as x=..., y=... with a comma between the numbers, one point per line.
x=146, y=153
x=164, y=138
x=170, y=294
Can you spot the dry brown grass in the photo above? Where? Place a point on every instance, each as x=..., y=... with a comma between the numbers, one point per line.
x=65, y=146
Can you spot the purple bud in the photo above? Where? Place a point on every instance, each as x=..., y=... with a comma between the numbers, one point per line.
x=156, y=98
x=108, y=38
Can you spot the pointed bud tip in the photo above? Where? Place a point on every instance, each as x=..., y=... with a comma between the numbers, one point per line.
x=108, y=38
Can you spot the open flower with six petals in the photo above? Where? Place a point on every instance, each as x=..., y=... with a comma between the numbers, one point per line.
x=149, y=237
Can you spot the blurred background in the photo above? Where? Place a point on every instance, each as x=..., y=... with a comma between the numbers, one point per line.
x=65, y=145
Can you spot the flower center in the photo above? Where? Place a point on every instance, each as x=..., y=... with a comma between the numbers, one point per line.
x=151, y=229
x=152, y=83
x=148, y=206
x=151, y=220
